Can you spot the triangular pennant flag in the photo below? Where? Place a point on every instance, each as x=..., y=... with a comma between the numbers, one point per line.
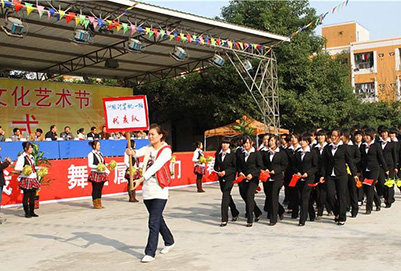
x=218, y=41
x=241, y=45
x=156, y=32
x=119, y=27
x=91, y=19
x=133, y=29
x=40, y=10
x=125, y=28
x=213, y=41
x=82, y=18
x=51, y=12
x=29, y=8
x=95, y=23
x=86, y=23
x=178, y=38
x=346, y=3
x=189, y=38
x=2, y=3
x=110, y=24
x=339, y=7
x=77, y=20
x=162, y=33
x=182, y=35
x=101, y=22
x=116, y=24
x=6, y=4
x=207, y=40
x=18, y=6
x=70, y=16
x=194, y=37
x=61, y=13
x=140, y=29
x=237, y=45
x=147, y=30
x=230, y=44
x=175, y=34
x=171, y=37
x=168, y=33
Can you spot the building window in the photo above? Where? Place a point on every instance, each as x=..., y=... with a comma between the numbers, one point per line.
x=365, y=91
x=364, y=61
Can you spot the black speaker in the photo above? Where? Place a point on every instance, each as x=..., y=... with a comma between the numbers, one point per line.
x=111, y=63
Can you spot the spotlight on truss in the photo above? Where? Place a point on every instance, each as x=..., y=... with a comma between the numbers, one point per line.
x=179, y=54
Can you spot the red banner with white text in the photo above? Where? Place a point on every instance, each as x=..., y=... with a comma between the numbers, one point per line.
x=71, y=179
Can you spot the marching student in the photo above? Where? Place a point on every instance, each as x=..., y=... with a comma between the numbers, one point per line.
x=28, y=183
x=3, y=166
x=321, y=189
x=291, y=170
x=358, y=141
x=334, y=172
x=154, y=192
x=352, y=196
x=393, y=133
x=389, y=149
x=97, y=176
x=226, y=167
x=372, y=158
x=199, y=168
x=275, y=161
x=250, y=163
x=306, y=164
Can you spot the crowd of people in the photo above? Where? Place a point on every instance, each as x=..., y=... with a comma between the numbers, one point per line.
x=337, y=170
x=67, y=134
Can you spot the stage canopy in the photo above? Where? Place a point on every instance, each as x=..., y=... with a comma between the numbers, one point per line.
x=258, y=127
x=47, y=47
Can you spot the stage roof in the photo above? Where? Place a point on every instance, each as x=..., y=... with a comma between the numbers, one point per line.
x=48, y=48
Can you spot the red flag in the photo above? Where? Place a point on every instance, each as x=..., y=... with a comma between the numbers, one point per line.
x=294, y=180
x=18, y=6
x=239, y=179
x=264, y=176
x=312, y=184
x=212, y=177
x=368, y=181
x=70, y=16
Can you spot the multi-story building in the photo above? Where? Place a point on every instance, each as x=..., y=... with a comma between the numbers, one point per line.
x=375, y=64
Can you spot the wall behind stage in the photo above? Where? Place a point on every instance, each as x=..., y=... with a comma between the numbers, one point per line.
x=38, y=104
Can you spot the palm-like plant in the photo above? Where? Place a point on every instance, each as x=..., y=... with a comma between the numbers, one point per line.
x=243, y=126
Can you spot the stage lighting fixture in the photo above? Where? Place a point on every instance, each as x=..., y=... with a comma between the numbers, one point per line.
x=13, y=27
x=179, y=54
x=82, y=36
x=135, y=45
x=217, y=61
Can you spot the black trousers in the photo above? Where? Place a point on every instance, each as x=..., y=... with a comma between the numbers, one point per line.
x=28, y=200
x=306, y=206
x=352, y=196
x=388, y=192
x=322, y=202
x=227, y=201
x=371, y=194
x=272, y=190
x=247, y=191
x=97, y=190
x=337, y=186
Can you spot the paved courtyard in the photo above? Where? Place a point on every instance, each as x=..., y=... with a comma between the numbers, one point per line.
x=72, y=236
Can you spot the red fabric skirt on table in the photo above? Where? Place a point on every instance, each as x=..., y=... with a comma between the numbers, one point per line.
x=98, y=177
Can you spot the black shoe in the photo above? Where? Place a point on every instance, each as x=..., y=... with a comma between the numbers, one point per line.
x=301, y=224
x=235, y=218
x=353, y=215
x=311, y=219
x=28, y=215
x=340, y=223
x=378, y=208
x=257, y=218
x=223, y=224
x=388, y=205
x=368, y=212
x=336, y=219
x=249, y=225
x=272, y=223
x=34, y=215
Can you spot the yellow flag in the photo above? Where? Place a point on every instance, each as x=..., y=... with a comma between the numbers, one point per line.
x=119, y=28
x=77, y=20
x=29, y=8
x=62, y=13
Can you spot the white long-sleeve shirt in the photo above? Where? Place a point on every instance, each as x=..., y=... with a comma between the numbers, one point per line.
x=19, y=166
x=151, y=188
x=100, y=158
x=196, y=156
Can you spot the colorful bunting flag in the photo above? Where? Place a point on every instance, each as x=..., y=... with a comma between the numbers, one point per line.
x=29, y=8
x=133, y=29
x=40, y=10
x=61, y=14
x=125, y=28
x=70, y=16
x=18, y=6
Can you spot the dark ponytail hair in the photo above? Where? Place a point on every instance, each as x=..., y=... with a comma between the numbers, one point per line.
x=93, y=143
x=26, y=145
x=159, y=130
x=198, y=144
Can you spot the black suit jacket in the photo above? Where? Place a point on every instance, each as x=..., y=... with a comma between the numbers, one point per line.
x=92, y=135
x=278, y=164
x=229, y=165
x=373, y=158
x=308, y=165
x=355, y=155
x=337, y=162
x=3, y=166
x=252, y=166
x=390, y=154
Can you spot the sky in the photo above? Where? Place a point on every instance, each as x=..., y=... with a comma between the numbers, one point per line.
x=380, y=18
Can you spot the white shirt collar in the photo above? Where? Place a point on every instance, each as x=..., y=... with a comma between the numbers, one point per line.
x=320, y=146
x=350, y=143
x=339, y=144
x=366, y=143
x=228, y=151
x=250, y=151
x=306, y=150
x=395, y=140
x=387, y=140
x=276, y=150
